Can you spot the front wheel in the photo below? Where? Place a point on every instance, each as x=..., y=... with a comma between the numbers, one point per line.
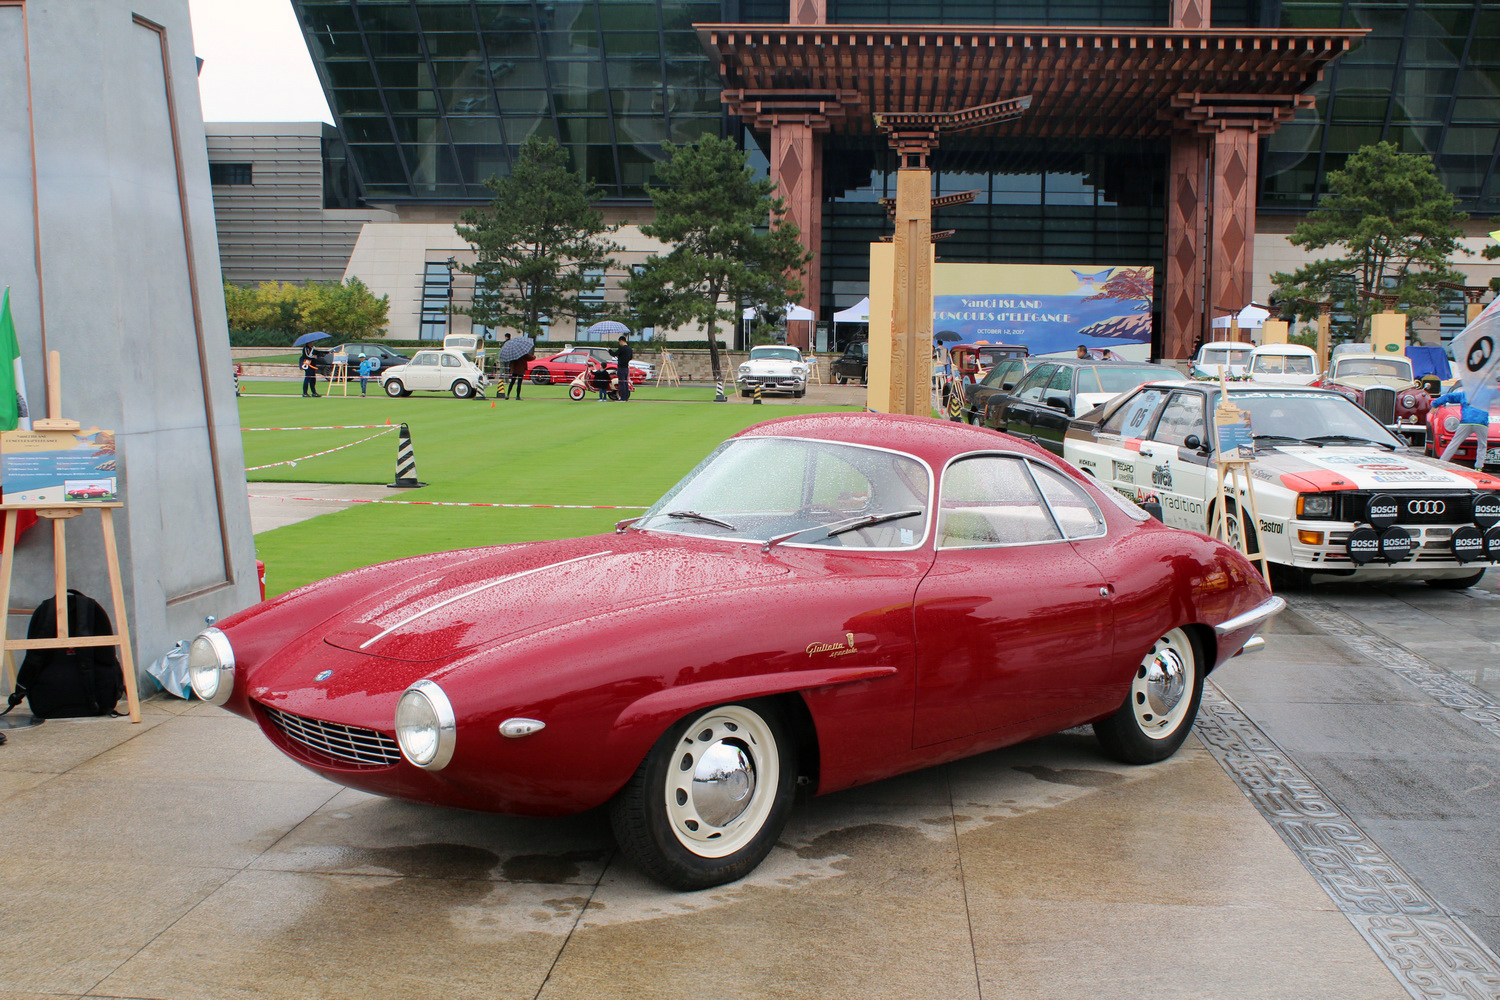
x=575, y=392
x=1457, y=583
x=541, y=376
x=708, y=802
x=394, y=388
x=1162, y=703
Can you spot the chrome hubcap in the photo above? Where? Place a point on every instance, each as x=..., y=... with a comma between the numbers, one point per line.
x=1166, y=680
x=723, y=782
x=1161, y=693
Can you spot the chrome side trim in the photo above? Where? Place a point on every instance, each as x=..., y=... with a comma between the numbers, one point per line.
x=1254, y=645
x=1271, y=607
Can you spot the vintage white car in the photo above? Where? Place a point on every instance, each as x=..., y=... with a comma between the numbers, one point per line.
x=440, y=371
x=774, y=368
x=1224, y=357
x=1335, y=492
x=1289, y=364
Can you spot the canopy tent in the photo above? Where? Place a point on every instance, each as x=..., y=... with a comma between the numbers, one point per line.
x=1249, y=318
x=857, y=313
x=792, y=312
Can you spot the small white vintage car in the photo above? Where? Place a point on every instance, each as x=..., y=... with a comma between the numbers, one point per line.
x=774, y=368
x=446, y=370
x=1334, y=492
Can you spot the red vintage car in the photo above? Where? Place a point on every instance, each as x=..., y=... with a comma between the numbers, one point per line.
x=1443, y=420
x=1386, y=387
x=833, y=598
x=563, y=367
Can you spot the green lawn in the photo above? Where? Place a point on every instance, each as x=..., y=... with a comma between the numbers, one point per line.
x=545, y=449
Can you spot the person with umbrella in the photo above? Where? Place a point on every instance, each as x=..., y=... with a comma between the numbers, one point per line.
x=309, y=362
x=516, y=352
x=623, y=354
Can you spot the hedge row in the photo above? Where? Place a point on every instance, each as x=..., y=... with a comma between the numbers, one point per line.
x=281, y=338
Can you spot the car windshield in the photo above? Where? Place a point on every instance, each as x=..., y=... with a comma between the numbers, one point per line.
x=1119, y=378
x=1390, y=367
x=1303, y=416
x=775, y=354
x=758, y=489
x=1290, y=364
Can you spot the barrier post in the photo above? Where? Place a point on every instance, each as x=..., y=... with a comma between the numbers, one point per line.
x=406, y=462
x=719, y=396
x=756, y=400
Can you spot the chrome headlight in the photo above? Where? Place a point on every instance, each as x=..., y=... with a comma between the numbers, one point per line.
x=211, y=666
x=1314, y=505
x=799, y=369
x=1450, y=424
x=425, y=726
x=744, y=369
x=1409, y=402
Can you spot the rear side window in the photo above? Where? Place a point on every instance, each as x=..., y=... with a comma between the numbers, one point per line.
x=992, y=500
x=1075, y=511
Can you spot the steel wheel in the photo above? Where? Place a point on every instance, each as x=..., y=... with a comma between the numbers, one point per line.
x=462, y=389
x=393, y=387
x=710, y=799
x=1161, y=704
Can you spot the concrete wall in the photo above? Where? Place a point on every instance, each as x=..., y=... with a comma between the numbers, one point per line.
x=110, y=251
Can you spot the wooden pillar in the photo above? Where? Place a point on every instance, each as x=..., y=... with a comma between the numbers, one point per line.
x=911, y=327
x=1185, y=313
x=797, y=168
x=1325, y=323
x=1192, y=14
x=1231, y=257
x=816, y=11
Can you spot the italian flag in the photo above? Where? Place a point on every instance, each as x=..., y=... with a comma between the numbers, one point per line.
x=14, y=413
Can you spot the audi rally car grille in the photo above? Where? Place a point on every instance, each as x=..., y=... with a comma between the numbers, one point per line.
x=1411, y=508
x=344, y=744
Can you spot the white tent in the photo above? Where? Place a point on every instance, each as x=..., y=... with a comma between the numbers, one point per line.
x=857, y=313
x=792, y=312
x=1250, y=318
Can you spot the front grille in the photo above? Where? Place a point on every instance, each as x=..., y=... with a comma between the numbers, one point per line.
x=340, y=743
x=1412, y=508
x=1380, y=401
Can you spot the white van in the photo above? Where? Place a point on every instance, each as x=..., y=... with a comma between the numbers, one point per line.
x=1224, y=357
x=1290, y=364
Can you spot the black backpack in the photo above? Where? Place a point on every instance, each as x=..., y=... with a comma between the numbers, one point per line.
x=64, y=683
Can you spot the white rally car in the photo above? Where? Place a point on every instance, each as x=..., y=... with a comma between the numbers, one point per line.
x=774, y=368
x=1335, y=492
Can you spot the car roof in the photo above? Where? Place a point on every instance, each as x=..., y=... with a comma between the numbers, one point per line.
x=1238, y=345
x=933, y=441
x=1284, y=349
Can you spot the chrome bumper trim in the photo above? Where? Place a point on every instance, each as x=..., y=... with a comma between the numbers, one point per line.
x=1254, y=616
x=1254, y=645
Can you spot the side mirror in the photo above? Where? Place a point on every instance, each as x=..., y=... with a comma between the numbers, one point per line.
x=1058, y=402
x=1007, y=386
x=1193, y=442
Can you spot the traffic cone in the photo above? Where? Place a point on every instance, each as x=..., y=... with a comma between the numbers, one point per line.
x=406, y=462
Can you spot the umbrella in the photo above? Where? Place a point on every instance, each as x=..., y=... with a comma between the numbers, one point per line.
x=308, y=338
x=608, y=326
x=515, y=348
x=944, y=336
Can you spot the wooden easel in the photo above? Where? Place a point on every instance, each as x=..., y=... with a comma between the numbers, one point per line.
x=1234, y=482
x=58, y=514
x=666, y=370
x=338, y=375
x=814, y=371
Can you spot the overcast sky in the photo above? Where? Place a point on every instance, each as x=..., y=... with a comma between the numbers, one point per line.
x=255, y=63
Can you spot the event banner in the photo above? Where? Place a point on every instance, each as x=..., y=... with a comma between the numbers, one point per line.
x=1048, y=308
x=58, y=467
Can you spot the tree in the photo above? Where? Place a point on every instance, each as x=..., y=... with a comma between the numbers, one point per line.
x=271, y=305
x=343, y=308
x=1491, y=252
x=1396, y=226
x=541, y=243
x=714, y=213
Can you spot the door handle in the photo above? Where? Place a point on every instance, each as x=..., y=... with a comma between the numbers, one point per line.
x=1106, y=590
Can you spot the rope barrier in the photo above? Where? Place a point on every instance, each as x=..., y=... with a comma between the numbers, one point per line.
x=452, y=503
x=293, y=461
x=339, y=427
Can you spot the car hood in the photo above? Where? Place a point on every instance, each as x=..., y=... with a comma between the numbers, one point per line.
x=499, y=593
x=1367, y=381
x=774, y=365
x=1307, y=468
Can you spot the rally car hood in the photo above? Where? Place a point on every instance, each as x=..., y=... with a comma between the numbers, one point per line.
x=514, y=590
x=1306, y=467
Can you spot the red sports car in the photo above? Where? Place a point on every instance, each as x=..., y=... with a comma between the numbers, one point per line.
x=564, y=367
x=828, y=599
x=1443, y=420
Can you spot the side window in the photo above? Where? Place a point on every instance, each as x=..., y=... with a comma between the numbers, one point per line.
x=425, y=358
x=1071, y=505
x=1063, y=381
x=1031, y=387
x=991, y=500
x=449, y=361
x=999, y=375
x=1134, y=417
x=1182, y=416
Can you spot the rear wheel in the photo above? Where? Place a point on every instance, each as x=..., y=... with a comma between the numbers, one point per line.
x=462, y=389
x=1163, y=701
x=541, y=376
x=1457, y=582
x=708, y=802
x=394, y=388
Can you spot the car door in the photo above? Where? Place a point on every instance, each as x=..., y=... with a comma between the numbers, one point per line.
x=1013, y=412
x=1049, y=422
x=1009, y=610
x=1175, y=468
x=423, y=371
x=978, y=394
x=1114, y=454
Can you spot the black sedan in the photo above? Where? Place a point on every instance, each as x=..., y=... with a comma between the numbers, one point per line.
x=1040, y=405
x=383, y=356
x=998, y=381
x=852, y=364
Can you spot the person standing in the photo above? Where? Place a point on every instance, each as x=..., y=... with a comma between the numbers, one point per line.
x=366, y=369
x=309, y=366
x=1472, y=422
x=518, y=371
x=623, y=354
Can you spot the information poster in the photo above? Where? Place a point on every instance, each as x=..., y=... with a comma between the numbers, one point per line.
x=1236, y=438
x=58, y=467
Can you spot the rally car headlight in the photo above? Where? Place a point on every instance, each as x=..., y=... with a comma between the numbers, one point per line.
x=1314, y=506
x=425, y=726
x=1450, y=424
x=211, y=666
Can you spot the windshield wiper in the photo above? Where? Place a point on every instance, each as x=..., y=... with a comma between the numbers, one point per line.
x=1279, y=437
x=1322, y=438
x=839, y=527
x=693, y=515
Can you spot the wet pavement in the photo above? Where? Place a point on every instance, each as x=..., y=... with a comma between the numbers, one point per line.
x=1329, y=831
